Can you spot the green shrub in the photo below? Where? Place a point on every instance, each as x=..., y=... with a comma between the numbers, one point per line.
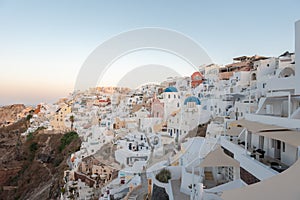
x=28, y=117
x=29, y=136
x=63, y=190
x=33, y=147
x=67, y=139
x=163, y=176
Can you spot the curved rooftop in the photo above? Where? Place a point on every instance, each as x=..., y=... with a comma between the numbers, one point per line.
x=283, y=186
x=171, y=89
x=192, y=99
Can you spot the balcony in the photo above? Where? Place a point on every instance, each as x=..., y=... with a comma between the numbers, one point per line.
x=259, y=155
x=276, y=84
x=279, y=121
x=252, y=164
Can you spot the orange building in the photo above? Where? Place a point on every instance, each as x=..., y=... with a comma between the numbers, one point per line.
x=197, y=78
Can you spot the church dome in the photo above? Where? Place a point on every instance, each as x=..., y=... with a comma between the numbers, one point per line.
x=171, y=89
x=192, y=99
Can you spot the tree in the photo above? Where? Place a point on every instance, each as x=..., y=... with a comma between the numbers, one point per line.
x=163, y=176
x=72, y=119
x=28, y=117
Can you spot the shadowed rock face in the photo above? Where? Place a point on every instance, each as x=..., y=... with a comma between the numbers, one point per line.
x=32, y=168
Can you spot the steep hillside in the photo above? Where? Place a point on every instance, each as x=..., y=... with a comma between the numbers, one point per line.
x=32, y=167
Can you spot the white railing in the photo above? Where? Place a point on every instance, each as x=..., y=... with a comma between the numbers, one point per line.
x=253, y=166
x=208, y=145
x=296, y=114
x=243, y=131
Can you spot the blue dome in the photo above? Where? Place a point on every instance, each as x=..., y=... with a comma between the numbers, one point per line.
x=171, y=89
x=192, y=99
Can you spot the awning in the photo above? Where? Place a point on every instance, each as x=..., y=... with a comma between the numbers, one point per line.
x=289, y=137
x=282, y=186
x=218, y=158
x=256, y=127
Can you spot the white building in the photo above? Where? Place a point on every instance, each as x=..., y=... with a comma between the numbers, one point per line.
x=187, y=118
x=171, y=100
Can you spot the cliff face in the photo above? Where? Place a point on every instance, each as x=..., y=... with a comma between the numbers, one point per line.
x=10, y=150
x=32, y=167
x=9, y=113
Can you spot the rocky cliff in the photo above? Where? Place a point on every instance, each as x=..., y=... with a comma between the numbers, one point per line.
x=32, y=167
x=9, y=113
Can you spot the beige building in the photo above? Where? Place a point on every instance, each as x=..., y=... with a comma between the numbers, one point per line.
x=105, y=172
x=100, y=172
x=119, y=123
x=58, y=119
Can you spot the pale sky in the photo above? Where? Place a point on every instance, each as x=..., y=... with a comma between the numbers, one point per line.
x=43, y=44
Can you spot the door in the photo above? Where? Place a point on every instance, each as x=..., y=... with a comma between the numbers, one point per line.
x=284, y=109
x=261, y=142
x=277, y=149
x=249, y=138
x=269, y=109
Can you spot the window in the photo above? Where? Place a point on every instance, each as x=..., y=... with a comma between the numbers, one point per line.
x=229, y=173
x=264, y=85
x=283, y=146
x=169, y=96
x=174, y=96
x=272, y=143
x=253, y=77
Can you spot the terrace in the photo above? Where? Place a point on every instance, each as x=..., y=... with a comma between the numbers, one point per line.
x=269, y=144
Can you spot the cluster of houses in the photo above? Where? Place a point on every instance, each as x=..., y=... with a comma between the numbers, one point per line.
x=251, y=111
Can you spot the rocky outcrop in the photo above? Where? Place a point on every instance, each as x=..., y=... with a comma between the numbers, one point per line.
x=8, y=114
x=32, y=167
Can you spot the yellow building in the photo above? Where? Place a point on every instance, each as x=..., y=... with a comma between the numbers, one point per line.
x=58, y=120
x=119, y=123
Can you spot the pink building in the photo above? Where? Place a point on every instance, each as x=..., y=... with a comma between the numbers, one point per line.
x=157, y=108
